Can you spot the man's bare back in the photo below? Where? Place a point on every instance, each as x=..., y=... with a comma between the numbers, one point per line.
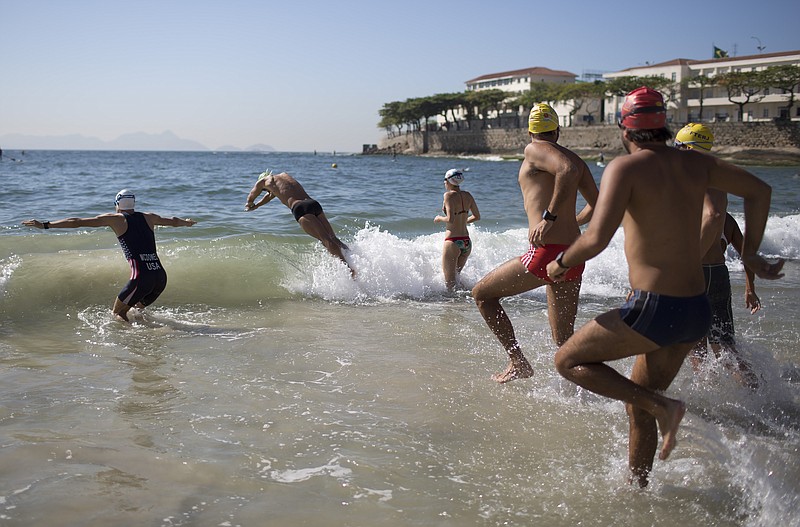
x=537, y=180
x=657, y=195
x=282, y=186
x=665, y=191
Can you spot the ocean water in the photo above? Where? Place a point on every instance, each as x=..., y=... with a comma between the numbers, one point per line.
x=266, y=388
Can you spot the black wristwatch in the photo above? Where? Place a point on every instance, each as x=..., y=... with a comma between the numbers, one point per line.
x=548, y=216
x=559, y=262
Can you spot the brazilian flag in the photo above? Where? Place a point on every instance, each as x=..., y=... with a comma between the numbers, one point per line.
x=719, y=53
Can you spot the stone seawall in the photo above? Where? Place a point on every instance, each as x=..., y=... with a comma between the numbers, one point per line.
x=768, y=142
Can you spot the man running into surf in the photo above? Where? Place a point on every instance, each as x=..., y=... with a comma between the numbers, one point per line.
x=550, y=178
x=307, y=212
x=134, y=231
x=668, y=311
x=719, y=229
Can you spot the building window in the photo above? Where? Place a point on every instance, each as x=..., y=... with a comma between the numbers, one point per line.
x=765, y=113
x=674, y=75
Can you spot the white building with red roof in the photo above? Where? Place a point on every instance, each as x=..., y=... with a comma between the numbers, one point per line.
x=685, y=98
x=519, y=80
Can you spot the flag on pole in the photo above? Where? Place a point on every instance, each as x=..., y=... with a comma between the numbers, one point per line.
x=719, y=53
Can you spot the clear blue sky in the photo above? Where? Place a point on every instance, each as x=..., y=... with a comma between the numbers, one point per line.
x=303, y=75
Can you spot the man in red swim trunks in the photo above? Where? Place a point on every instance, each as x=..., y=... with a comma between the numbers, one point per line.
x=550, y=178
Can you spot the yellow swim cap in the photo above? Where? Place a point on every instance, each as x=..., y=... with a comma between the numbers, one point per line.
x=695, y=135
x=542, y=119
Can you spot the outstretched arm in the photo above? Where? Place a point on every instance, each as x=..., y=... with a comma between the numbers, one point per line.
x=103, y=220
x=155, y=219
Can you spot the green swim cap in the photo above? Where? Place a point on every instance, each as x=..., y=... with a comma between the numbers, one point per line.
x=264, y=174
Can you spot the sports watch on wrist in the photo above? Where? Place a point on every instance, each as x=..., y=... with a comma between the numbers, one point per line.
x=548, y=216
x=559, y=262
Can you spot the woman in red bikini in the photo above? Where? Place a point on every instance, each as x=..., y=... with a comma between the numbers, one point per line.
x=456, y=206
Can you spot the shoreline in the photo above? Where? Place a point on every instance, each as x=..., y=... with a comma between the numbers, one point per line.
x=746, y=157
x=768, y=144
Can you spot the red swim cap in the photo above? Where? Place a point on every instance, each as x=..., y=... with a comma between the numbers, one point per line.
x=643, y=109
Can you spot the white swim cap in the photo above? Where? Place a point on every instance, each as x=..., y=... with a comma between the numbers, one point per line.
x=454, y=176
x=125, y=199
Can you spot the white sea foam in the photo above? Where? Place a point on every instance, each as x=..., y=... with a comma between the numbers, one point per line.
x=332, y=469
x=391, y=267
x=7, y=268
x=781, y=236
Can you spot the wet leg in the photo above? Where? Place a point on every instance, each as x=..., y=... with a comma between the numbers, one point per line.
x=509, y=279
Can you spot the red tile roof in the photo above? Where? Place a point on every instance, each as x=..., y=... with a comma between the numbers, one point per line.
x=538, y=70
x=687, y=62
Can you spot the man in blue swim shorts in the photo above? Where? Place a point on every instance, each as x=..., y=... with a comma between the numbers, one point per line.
x=719, y=229
x=134, y=231
x=668, y=312
x=306, y=211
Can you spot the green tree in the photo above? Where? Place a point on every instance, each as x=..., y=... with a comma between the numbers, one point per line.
x=742, y=87
x=488, y=100
x=418, y=110
x=621, y=86
x=699, y=82
x=391, y=116
x=442, y=103
x=587, y=95
x=539, y=92
x=785, y=77
x=470, y=104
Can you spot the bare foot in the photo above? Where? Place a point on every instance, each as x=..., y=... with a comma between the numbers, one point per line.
x=513, y=372
x=639, y=478
x=668, y=424
x=121, y=318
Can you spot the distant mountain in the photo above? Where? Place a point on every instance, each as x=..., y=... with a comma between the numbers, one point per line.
x=163, y=141
x=166, y=141
x=259, y=148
